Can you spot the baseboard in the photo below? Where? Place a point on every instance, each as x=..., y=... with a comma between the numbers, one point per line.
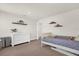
x=63, y=51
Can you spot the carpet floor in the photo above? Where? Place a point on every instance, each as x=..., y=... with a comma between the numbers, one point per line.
x=29, y=49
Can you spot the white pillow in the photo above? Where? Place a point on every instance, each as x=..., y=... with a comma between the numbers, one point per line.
x=77, y=38
x=48, y=35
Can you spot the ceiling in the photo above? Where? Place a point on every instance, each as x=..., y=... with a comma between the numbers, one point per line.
x=38, y=10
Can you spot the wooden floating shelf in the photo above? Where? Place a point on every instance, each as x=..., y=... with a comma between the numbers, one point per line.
x=58, y=25
x=18, y=23
x=52, y=22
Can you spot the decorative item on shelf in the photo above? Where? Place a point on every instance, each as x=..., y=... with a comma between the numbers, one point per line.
x=52, y=22
x=14, y=30
x=20, y=22
x=58, y=25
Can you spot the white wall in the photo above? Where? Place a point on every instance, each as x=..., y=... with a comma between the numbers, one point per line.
x=69, y=20
x=6, y=20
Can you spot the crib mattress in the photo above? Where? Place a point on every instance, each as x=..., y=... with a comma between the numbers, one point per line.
x=63, y=42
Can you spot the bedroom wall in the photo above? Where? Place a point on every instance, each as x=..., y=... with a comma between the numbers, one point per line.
x=6, y=20
x=69, y=20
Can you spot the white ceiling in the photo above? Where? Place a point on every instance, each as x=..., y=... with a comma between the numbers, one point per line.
x=38, y=10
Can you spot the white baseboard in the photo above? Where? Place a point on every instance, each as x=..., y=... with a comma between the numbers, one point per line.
x=33, y=39
x=63, y=51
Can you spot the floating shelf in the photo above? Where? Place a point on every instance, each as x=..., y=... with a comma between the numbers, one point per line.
x=18, y=23
x=14, y=30
x=58, y=25
x=52, y=22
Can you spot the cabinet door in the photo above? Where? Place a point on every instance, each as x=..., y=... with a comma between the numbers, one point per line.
x=8, y=41
x=0, y=43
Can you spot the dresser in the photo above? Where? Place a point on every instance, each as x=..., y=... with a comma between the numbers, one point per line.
x=18, y=38
x=5, y=42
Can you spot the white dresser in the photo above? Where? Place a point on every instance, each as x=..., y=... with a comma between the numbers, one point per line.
x=18, y=38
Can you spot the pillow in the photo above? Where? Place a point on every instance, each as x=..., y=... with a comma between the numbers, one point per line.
x=48, y=35
x=77, y=38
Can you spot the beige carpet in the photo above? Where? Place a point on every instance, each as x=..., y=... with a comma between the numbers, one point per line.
x=32, y=49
